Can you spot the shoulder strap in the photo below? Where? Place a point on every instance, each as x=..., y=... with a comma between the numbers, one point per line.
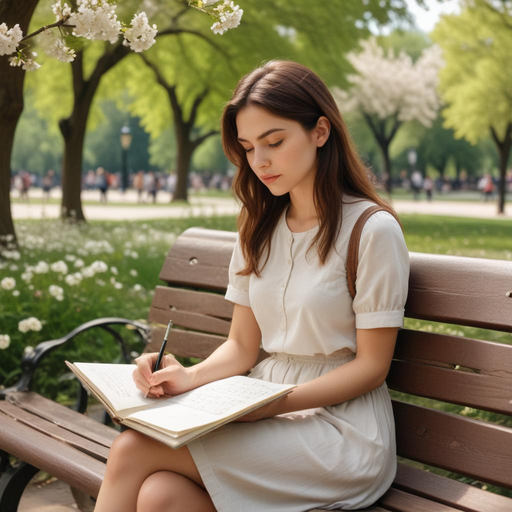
x=353, y=247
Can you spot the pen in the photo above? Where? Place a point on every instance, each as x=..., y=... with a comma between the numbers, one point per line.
x=162, y=348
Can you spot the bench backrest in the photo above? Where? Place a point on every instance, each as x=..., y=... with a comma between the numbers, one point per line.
x=449, y=368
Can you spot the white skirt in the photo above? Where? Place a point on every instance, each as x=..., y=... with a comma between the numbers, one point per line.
x=337, y=457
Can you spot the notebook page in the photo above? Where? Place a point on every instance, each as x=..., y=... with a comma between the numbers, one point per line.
x=209, y=403
x=116, y=382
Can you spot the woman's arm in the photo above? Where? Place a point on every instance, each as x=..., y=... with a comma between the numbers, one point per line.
x=365, y=373
x=236, y=355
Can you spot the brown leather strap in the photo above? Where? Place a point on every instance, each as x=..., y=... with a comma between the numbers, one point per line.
x=353, y=247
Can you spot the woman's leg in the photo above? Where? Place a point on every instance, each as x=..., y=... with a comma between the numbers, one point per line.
x=169, y=492
x=132, y=459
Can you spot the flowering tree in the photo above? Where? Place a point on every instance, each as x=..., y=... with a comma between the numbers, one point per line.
x=89, y=19
x=476, y=80
x=389, y=90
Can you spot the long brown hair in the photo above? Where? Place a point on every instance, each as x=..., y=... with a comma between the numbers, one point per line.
x=290, y=90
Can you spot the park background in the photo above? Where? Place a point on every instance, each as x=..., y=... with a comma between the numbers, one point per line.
x=68, y=258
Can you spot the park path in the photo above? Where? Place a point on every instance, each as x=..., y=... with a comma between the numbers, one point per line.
x=210, y=206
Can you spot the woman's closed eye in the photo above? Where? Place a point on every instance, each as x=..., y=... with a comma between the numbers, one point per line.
x=270, y=145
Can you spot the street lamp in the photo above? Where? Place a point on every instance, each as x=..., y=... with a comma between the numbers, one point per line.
x=126, y=140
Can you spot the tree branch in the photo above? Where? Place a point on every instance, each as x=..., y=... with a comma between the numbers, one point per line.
x=199, y=99
x=202, y=138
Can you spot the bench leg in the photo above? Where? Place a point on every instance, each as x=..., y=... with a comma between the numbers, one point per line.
x=13, y=481
x=83, y=501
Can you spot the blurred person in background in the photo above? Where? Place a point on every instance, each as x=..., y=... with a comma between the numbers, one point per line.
x=102, y=184
x=48, y=183
x=138, y=185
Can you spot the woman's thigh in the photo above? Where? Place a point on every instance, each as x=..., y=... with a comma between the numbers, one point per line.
x=132, y=451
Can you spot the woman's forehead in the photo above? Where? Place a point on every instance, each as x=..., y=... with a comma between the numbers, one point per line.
x=253, y=121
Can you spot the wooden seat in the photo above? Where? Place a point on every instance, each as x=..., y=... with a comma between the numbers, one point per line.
x=450, y=369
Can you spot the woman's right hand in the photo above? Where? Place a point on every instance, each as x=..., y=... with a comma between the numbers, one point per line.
x=172, y=378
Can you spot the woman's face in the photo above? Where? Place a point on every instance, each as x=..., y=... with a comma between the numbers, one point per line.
x=280, y=147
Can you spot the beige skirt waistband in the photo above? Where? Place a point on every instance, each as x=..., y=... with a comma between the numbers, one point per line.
x=340, y=356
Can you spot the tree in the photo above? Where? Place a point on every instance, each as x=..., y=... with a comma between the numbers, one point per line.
x=390, y=90
x=476, y=80
x=11, y=106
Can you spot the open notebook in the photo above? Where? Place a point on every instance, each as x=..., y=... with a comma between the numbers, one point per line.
x=176, y=420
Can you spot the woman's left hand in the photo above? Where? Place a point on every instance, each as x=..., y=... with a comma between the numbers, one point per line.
x=267, y=411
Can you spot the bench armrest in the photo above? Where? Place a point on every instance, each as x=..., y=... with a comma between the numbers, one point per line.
x=31, y=361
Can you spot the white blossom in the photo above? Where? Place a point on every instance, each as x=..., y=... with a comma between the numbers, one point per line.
x=228, y=15
x=8, y=283
x=70, y=257
x=9, y=38
x=133, y=273
x=96, y=19
x=60, y=267
x=42, y=267
x=27, y=64
x=88, y=272
x=140, y=35
x=61, y=11
x=13, y=267
x=74, y=279
x=114, y=271
x=5, y=341
x=79, y=263
x=11, y=255
x=28, y=350
x=137, y=287
x=55, y=46
x=388, y=85
x=57, y=292
x=27, y=276
x=30, y=324
x=99, y=267
x=16, y=293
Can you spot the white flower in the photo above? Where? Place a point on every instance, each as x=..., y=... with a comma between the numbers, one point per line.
x=137, y=287
x=88, y=272
x=100, y=282
x=9, y=38
x=96, y=20
x=141, y=35
x=70, y=257
x=57, y=292
x=8, y=283
x=54, y=46
x=27, y=64
x=99, y=266
x=61, y=11
x=74, y=279
x=13, y=267
x=5, y=341
x=16, y=293
x=28, y=350
x=118, y=285
x=13, y=255
x=59, y=266
x=228, y=15
x=134, y=255
x=30, y=324
x=41, y=268
x=79, y=263
x=114, y=271
x=133, y=273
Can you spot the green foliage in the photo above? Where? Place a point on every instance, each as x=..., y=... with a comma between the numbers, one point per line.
x=476, y=79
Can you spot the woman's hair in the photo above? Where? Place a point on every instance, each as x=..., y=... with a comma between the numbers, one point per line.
x=292, y=91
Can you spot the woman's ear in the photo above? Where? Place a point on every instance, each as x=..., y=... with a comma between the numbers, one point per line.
x=322, y=131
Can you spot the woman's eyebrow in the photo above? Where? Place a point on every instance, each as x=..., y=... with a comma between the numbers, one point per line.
x=263, y=135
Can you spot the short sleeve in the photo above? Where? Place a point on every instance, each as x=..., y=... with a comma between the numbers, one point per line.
x=382, y=274
x=238, y=287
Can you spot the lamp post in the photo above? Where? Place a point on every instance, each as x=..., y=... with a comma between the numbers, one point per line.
x=126, y=140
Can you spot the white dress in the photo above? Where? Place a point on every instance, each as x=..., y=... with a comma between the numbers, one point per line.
x=337, y=457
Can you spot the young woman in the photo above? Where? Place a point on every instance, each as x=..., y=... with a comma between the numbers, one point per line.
x=330, y=443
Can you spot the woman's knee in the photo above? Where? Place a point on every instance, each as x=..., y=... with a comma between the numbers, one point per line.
x=159, y=492
x=125, y=451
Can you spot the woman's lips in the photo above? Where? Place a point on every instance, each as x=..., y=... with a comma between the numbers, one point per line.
x=270, y=179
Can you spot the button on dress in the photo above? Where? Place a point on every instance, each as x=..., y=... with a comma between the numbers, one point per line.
x=337, y=457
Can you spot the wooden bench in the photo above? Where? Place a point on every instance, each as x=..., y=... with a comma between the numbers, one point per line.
x=451, y=369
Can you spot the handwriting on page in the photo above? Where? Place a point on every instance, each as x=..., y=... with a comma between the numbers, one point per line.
x=118, y=380
x=225, y=396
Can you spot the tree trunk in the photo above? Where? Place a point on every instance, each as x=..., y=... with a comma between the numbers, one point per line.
x=386, y=162
x=504, y=147
x=11, y=106
x=185, y=151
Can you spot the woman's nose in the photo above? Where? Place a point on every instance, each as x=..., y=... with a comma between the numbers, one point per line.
x=260, y=159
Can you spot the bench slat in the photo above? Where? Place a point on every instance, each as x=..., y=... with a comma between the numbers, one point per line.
x=459, y=290
x=471, y=389
x=448, y=491
x=400, y=501
x=59, y=460
x=455, y=443
x=64, y=417
x=95, y=450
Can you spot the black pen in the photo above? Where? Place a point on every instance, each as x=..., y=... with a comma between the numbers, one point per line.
x=162, y=348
